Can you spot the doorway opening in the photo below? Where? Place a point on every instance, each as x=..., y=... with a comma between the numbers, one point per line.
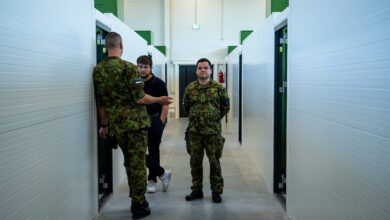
x=166, y=75
x=280, y=114
x=105, y=185
x=240, y=99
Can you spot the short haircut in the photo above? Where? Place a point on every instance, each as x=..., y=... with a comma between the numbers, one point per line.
x=113, y=40
x=201, y=60
x=146, y=60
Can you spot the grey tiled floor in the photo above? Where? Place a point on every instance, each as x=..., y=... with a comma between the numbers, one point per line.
x=244, y=197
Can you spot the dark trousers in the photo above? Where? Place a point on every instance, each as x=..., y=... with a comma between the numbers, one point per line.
x=154, y=139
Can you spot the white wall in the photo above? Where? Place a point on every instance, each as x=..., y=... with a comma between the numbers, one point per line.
x=338, y=110
x=220, y=24
x=233, y=89
x=146, y=15
x=159, y=61
x=258, y=98
x=48, y=157
x=133, y=47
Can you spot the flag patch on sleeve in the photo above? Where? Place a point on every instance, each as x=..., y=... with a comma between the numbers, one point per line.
x=138, y=80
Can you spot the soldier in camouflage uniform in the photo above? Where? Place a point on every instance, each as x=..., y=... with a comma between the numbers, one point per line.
x=121, y=104
x=206, y=102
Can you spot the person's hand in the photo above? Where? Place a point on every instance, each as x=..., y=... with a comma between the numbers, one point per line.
x=163, y=119
x=165, y=100
x=103, y=131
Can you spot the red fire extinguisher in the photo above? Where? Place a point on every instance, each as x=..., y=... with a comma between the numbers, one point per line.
x=220, y=74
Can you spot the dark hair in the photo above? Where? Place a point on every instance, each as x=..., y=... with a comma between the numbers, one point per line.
x=201, y=60
x=113, y=40
x=144, y=60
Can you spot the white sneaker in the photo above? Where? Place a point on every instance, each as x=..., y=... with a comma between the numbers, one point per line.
x=165, y=179
x=151, y=187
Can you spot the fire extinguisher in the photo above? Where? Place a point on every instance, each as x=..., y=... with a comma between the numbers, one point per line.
x=220, y=74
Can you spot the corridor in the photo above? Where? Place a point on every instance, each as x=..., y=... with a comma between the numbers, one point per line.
x=245, y=195
x=309, y=94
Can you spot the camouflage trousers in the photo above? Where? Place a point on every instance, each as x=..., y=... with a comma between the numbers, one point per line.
x=213, y=145
x=133, y=145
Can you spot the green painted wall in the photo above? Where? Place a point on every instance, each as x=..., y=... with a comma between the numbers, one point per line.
x=162, y=49
x=107, y=6
x=244, y=34
x=121, y=9
x=267, y=8
x=147, y=35
x=231, y=48
x=278, y=5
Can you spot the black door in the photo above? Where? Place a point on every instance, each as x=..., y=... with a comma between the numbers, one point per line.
x=226, y=86
x=166, y=75
x=104, y=152
x=101, y=52
x=280, y=121
x=187, y=74
x=240, y=99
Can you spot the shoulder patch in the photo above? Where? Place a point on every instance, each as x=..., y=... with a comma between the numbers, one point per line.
x=137, y=80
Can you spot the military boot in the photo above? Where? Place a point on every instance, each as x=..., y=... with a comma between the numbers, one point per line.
x=133, y=206
x=141, y=210
x=216, y=197
x=194, y=195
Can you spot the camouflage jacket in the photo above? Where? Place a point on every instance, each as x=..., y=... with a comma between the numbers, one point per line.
x=206, y=105
x=117, y=87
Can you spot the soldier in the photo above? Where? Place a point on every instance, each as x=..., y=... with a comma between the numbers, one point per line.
x=121, y=104
x=206, y=102
x=158, y=114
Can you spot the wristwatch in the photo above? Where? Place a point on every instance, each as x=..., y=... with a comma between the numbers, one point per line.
x=103, y=126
